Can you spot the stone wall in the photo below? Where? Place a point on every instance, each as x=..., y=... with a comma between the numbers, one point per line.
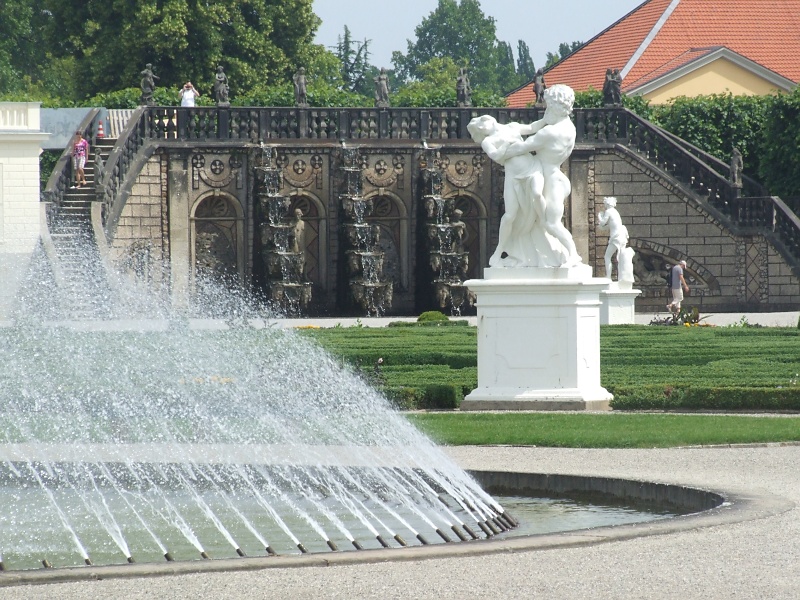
x=727, y=270
x=140, y=246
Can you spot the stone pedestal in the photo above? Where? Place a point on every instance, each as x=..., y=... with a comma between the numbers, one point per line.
x=617, y=304
x=538, y=340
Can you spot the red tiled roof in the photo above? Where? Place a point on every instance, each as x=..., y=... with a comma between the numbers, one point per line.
x=765, y=31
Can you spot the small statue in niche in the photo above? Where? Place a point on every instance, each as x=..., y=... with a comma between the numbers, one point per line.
x=737, y=164
x=300, y=93
x=148, y=85
x=221, y=88
x=539, y=86
x=463, y=90
x=459, y=228
x=299, y=243
x=382, y=89
x=617, y=236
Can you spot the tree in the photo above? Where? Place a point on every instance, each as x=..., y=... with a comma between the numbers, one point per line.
x=525, y=68
x=507, y=77
x=564, y=50
x=354, y=57
x=456, y=30
x=20, y=48
x=257, y=41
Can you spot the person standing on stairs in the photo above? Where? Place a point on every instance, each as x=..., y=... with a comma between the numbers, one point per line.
x=80, y=150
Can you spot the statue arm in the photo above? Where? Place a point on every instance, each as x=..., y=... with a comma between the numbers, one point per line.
x=495, y=147
x=531, y=128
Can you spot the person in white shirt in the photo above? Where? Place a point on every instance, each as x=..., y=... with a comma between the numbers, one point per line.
x=188, y=94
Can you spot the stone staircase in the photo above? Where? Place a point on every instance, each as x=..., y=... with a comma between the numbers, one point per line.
x=85, y=292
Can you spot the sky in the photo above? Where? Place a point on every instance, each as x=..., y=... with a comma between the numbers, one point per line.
x=388, y=26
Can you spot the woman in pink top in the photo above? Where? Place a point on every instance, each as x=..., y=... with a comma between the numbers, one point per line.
x=80, y=150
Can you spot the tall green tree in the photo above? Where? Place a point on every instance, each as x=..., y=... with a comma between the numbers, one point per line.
x=20, y=47
x=564, y=50
x=525, y=68
x=507, y=76
x=354, y=57
x=257, y=41
x=460, y=31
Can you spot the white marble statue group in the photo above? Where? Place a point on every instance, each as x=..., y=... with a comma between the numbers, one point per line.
x=531, y=231
x=535, y=190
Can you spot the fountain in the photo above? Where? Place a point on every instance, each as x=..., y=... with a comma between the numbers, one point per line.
x=448, y=259
x=281, y=239
x=176, y=438
x=364, y=259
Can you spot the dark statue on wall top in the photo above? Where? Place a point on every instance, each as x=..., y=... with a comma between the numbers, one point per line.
x=299, y=80
x=612, y=88
x=221, y=88
x=148, y=85
x=463, y=90
x=382, y=89
x=737, y=165
x=539, y=86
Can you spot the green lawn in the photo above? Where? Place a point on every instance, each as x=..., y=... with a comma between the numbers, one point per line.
x=682, y=368
x=604, y=430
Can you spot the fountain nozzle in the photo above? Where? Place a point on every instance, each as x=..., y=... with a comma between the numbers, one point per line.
x=131, y=560
x=168, y=556
x=357, y=545
x=302, y=548
x=88, y=562
x=46, y=564
x=443, y=535
x=422, y=540
x=2, y=566
x=270, y=551
x=240, y=552
x=381, y=541
x=400, y=540
x=472, y=534
x=331, y=545
x=457, y=531
x=204, y=554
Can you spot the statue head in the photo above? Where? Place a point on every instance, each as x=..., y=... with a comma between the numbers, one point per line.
x=482, y=127
x=610, y=201
x=559, y=100
x=298, y=212
x=301, y=70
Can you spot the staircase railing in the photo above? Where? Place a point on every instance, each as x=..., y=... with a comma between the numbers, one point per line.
x=125, y=151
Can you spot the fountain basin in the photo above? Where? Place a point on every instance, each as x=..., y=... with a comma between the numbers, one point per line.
x=706, y=508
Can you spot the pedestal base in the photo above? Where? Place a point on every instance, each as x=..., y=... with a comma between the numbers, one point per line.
x=618, y=304
x=538, y=340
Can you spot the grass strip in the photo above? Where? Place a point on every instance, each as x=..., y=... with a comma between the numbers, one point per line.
x=604, y=430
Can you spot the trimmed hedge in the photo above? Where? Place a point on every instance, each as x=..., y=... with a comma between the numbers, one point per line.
x=659, y=397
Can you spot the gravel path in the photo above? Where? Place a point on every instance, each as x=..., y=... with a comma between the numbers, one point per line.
x=753, y=559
